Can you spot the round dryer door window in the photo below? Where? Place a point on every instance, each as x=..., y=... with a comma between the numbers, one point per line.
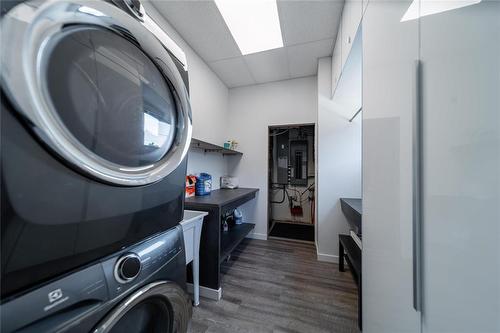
x=99, y=88
x=149, y=316
x=159, y=307
x=111, y=96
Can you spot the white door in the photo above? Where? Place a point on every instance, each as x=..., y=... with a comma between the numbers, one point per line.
x=390, y=51
x=460, y=56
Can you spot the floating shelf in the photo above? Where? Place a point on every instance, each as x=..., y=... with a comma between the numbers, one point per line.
x=211, y=148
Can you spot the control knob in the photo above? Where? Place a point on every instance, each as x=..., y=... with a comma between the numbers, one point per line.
x=127, y=268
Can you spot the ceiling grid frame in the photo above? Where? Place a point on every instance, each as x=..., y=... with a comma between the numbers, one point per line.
x=308, y=29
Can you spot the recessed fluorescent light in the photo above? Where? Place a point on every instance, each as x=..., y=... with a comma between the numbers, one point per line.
x=254, y=24
x=429, y=7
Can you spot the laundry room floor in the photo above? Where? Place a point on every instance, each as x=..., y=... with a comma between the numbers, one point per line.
x=279, y=286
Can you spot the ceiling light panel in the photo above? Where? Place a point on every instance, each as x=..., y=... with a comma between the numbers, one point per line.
x=420, y=8
x=254, y=24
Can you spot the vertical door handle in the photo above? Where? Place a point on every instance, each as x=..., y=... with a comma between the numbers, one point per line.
x=417, y=188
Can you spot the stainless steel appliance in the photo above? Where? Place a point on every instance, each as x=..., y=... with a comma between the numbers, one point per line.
x=96, y=124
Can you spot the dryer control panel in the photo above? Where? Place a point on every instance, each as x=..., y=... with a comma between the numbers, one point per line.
x=127, y=268
x=53, y=306
x=139, y=262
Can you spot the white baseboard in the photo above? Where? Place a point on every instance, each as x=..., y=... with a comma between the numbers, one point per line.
x=214, y=294
x=328, y=258
x=254, y=235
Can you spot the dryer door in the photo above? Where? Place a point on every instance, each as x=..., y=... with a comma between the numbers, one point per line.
x=98, y=88
x=160, y=307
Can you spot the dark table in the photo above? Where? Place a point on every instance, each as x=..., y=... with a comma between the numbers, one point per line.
x=215, y=244
x=353, y=211
x=350, y=252
x=348, y=249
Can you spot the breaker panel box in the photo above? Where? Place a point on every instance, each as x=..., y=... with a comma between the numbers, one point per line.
x=282, y=151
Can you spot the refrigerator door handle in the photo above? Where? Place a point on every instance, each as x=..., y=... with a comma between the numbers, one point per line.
x=417, y=188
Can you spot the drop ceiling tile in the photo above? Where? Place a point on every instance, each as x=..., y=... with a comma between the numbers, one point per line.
x=303, y=58
x=201, y=26
x=306, y=21
x=269, y=65
x=234, y=72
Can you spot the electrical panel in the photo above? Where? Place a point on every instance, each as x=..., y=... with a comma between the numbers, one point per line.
x=282, y=151
x=298, y=162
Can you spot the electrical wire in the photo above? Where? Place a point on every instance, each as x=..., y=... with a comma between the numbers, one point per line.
x=307, y=189
x=282, y=132
x=290, y=200
x=282, y=200
x=313, y=210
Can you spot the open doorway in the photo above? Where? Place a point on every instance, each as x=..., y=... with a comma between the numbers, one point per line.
x=291, y=182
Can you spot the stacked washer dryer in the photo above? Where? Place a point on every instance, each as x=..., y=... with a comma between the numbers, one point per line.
x=95, y=128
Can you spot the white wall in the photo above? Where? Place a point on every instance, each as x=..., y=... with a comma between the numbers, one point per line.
x=251, y=110
x=339, y=165
x=209, y=103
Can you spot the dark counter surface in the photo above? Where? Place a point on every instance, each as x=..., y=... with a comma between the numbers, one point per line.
x=353, y=211
x=354, y=203
x=220, y=197
x=216, y=245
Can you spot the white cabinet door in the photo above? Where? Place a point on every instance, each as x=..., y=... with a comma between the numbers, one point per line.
x=356, y=13
x=390, y=50
x=336, y=61
x=365, y=4
x=460, y=54
x=351, y=18
x=345, y=45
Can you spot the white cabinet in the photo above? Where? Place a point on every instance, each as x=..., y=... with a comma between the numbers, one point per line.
x=365, y=5
x=390, y=49
x=336, y=62
x=344, y=43
x=349, y=24
x=460, y=55
x=351, y=18
x=449, y=108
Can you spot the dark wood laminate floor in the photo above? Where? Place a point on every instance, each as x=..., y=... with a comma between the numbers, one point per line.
x=279, y=286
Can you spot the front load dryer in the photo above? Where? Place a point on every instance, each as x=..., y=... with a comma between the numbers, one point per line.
x=95, y=129
x=138, y=290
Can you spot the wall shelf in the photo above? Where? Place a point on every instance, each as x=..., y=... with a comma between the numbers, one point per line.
x=231, y=239
x=211, y=148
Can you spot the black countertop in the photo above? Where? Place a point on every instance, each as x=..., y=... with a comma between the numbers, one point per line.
x=353, y=211
x=221, y=197
x=216, y=244
x=354, y=203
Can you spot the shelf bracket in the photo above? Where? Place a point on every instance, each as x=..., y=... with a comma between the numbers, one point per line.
x=357, y=112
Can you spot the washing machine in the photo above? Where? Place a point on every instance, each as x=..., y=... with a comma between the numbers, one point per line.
x=95, y=129
x=139, y=290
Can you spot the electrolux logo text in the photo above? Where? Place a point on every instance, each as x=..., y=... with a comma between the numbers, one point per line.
x=55, y=298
